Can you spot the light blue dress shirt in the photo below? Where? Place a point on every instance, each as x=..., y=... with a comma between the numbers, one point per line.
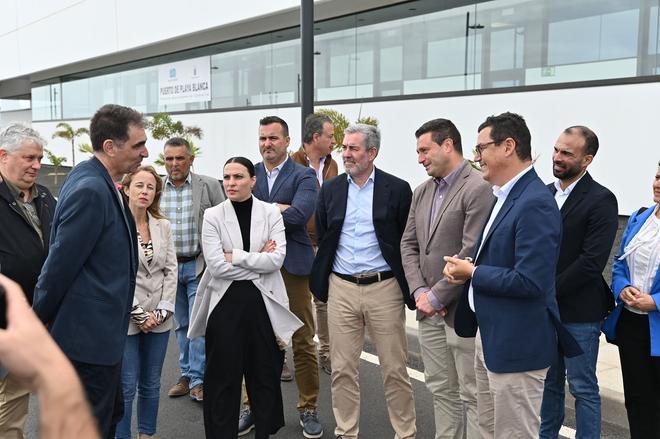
x=358, y=250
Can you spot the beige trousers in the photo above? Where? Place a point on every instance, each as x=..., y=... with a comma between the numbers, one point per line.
x=379, y=307
x=322, y=329
x=509, y=404
x=449, y=376
x=14, y=400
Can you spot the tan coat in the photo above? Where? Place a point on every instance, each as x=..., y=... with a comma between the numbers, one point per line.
x=155, y=283
x=460, y=219
x=220, y=232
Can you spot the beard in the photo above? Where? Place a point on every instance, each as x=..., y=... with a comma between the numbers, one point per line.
x=567, y=172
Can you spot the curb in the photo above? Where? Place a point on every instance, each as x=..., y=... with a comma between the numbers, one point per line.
x=613, y=410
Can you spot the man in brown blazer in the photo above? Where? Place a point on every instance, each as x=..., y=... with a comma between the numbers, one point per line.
x=447, y=214
x=316, y=152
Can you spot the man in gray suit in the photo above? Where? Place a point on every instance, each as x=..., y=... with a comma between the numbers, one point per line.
x=446, y=216
x=185, y=198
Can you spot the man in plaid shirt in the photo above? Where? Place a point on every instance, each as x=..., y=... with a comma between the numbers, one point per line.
x=185, y=198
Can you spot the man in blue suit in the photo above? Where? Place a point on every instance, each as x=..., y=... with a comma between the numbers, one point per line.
x=510, y=296
x=85, y=290
x=292, y=187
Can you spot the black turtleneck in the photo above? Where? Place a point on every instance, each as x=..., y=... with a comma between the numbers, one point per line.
x=243, y=211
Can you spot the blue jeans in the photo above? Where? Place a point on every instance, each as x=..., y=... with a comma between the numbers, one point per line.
x=582, y=383
x=191, y=352
x=141, y=368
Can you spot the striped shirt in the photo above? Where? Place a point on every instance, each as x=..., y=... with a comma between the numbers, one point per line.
x=177, y=205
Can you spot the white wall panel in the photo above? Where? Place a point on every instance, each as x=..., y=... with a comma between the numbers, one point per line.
x=624, y=118
x=83, y=31
x=9, y=16
x=31, y=11
x=10, y=65
x=145, y=22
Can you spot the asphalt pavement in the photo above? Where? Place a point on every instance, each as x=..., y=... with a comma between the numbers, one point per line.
x=182, y=418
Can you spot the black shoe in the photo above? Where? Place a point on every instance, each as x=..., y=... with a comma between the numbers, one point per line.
x=245, y=421
x=325, y=365
x=309, y=421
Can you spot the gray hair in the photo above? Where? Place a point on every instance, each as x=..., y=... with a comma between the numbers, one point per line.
x=370, y=133
x=12, y=137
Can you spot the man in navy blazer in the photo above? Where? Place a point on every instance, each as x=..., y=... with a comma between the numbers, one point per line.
x=292, y=187
x=510, y=295
x=85, y=290
x=360, y=218
x=590, y=217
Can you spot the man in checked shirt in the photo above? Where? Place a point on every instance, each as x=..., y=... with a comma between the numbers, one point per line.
x=185, y=198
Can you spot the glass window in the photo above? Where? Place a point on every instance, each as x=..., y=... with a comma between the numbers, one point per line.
x=46, y=102
x=416, y=47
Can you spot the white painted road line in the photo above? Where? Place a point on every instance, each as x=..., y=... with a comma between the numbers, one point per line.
x=566, y=432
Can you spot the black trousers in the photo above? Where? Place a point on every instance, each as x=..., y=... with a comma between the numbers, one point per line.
x=102, y=385
x=240, y=342
x=641, y=375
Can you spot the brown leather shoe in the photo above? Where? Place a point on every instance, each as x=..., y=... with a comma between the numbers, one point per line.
x=197, y=393
x=286, y=372
x=181, y=388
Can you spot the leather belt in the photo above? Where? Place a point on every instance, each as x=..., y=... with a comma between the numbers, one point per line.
x=184, y=259
x=366, y=279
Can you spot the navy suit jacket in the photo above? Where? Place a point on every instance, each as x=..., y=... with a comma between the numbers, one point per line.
x=392, y=198
x=295, y=185
x=590, y=218
x=514, y=284
x=85, y=290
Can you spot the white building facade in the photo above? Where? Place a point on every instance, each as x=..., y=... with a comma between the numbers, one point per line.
x=556, y=62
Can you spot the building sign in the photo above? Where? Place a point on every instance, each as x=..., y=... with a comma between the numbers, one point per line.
x=185, y=81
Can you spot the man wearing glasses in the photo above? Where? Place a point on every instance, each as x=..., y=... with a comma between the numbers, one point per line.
x=509, y=301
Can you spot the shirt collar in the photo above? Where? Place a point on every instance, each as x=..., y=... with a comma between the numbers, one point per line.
x=18, y=193
x=504, y=190
x=372, y=177
x=451, y=177
x=570, y=187
x=278, y=167
x=188, y=180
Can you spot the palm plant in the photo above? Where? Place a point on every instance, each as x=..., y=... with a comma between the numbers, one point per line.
x=163, y=127
x=66, y=131
x=340, y=122
x=55, y=161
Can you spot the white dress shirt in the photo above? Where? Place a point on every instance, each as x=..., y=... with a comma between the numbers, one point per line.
x=643, y=256
x=319, y=173
x=501, y=193
x=272, y=175
x=562, y=195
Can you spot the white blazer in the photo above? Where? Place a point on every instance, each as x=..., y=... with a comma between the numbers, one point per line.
x=155, y=283
x=221, y=232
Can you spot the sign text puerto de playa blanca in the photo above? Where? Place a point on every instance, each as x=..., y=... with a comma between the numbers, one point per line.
x=185, y=81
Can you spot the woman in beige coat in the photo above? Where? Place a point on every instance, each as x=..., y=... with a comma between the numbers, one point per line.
x=242, y=307
x=153, y=303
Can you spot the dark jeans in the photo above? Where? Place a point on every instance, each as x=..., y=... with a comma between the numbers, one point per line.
x=102, y=386
x=641, y=375
x=582, y=383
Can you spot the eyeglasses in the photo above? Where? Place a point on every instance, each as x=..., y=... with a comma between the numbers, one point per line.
x=479, y=147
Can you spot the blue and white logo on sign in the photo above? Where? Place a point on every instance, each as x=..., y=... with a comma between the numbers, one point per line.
x=172, y=73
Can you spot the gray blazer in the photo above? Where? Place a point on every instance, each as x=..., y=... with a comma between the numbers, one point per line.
x=155, y=283
x=207, y=192
x=460, y=219
x=222, y=232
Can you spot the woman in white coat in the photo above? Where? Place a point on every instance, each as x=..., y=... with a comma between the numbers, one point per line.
x=242, y=307
x=153, y=303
